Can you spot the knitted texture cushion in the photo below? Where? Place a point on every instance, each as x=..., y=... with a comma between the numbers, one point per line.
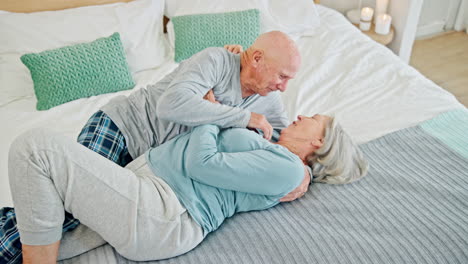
x=82, y=70
x=194, y=33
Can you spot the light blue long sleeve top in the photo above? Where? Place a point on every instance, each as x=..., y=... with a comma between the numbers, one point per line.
x=217, y=173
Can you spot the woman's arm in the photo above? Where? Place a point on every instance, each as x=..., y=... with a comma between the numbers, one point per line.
x=300, y=190
x=267, y=171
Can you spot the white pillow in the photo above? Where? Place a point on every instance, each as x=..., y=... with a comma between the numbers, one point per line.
x=293, y=17
x=139, y=23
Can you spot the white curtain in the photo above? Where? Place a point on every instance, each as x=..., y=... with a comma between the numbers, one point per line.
x=461, y=21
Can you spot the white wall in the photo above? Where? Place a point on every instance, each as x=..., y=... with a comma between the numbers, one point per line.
x=433, y=17
x=461, y=22
x=437, y=16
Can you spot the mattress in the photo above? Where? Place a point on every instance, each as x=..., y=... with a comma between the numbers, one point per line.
x=344, y=73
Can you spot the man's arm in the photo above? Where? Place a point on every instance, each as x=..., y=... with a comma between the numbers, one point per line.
x=273, y=109
x=258, y=121
x=260, y=171
x=185, y=107
x=279, y=117
x=183, y=100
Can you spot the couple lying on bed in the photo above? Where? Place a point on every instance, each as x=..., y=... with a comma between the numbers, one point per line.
x=195, y=165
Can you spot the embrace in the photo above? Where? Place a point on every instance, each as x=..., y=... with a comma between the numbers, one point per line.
x=153, y=173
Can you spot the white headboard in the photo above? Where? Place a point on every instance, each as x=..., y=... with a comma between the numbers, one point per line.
x=405, y=17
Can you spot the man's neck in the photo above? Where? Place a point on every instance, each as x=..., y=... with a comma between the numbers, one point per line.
x=245, y=75
x=246, y=92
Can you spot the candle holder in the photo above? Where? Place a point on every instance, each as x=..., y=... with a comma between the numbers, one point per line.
x=354, y=15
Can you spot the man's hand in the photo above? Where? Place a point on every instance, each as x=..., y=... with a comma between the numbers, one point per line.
x=300, y=190
x=236, y=49
x=209, y=96
x=259, y=121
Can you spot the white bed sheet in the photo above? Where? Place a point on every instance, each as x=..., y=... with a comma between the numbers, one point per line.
x=344, y=73
x=364, y=84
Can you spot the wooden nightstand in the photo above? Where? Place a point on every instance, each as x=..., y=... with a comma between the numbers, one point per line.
x=382, y=39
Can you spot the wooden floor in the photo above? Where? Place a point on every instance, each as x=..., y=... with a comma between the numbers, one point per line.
x=444, y=60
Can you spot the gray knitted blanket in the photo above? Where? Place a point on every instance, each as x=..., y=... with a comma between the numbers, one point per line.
x=412, y=207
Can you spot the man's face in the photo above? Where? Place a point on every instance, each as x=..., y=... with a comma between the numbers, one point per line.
x=274, y=75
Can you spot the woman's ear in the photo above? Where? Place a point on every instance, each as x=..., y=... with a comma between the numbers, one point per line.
x=317, y=143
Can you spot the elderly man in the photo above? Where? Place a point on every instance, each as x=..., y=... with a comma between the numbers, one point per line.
x=128, y=126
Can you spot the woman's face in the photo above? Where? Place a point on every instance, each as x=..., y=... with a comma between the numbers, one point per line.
x=307, y=128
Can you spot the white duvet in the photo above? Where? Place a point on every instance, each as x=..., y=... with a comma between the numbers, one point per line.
x=344, y=73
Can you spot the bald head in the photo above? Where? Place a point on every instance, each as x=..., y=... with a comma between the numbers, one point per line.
x=278, y=46
x=268, y=65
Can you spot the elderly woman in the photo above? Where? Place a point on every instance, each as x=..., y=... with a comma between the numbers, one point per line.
x=164, y=203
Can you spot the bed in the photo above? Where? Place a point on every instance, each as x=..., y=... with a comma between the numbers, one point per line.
x=412, y=207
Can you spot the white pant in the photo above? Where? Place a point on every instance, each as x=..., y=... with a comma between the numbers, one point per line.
x=130, y=208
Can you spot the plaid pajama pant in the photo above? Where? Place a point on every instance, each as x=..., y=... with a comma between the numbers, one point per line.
x=101, y=135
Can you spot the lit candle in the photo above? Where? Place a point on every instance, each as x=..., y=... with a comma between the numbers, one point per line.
x=380, y=8
x=382, y=24
x=366, y=13
x=366, y=17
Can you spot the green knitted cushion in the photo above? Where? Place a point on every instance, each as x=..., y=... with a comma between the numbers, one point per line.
x=194, y=33
x=82, y=70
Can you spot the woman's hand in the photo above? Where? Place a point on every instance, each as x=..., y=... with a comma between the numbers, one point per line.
x=300, y=190
x=209, y=96
x=236, y=49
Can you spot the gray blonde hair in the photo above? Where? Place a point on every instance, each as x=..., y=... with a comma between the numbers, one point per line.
x=338, y=160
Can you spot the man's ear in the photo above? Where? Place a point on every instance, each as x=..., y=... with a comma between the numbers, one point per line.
x=256, y=58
